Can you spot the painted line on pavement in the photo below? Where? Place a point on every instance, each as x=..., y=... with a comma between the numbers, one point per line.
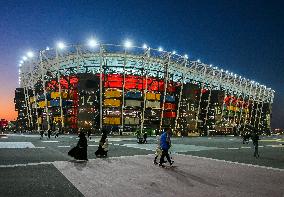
x=238, y=163
x=51, y=141
x=64, y=146
x=92, y=145
x=233, y=148
x=39, y=147
x=245, y=147
x=26, y=164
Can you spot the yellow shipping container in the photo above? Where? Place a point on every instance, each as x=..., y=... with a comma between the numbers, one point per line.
x=55, y=95
x=112, y=102
x=112, y=120
x=41, y=104
x=64, y=95
x=150, y=96
x=112, y=93
x=32, y=99
x=56, y=118
x=158, y=96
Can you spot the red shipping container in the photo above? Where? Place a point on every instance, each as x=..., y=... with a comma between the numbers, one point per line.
x=169, y=106
x=170, y=114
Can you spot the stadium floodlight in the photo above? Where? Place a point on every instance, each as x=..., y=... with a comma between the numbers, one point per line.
x=47, y=48
x=227, y=71
x=186, y=56
x=20, y=65
x=127, y=44
x=92, y=43
x=160, y=49
x=174, y=52
x=24, y=58
x=144, y=46
x=222, y=70
x=198, y=60
x=60, y=45
x=21, y=62
x=30, y=54
x=210, y=65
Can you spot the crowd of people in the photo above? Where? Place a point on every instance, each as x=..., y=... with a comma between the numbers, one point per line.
x=79, y=152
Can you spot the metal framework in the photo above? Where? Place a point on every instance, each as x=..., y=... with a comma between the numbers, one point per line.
x=74, y=59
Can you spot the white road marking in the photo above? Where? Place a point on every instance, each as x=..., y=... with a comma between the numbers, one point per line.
x=277, y=146
x=233, y=148
x=63, y=146
x=16, y=145
x=245, y=147
x=238, y=163
x=4, y=137
x=24, y=165
x=39, y=147
x=260, y=146
x=92, y=145
x=51, y=141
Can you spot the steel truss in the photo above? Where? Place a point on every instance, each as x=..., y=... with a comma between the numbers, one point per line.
x=75, y=59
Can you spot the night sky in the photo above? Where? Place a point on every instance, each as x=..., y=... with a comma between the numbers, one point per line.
x=244, y=37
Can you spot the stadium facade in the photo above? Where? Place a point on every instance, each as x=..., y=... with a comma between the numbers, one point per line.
x=136, y=89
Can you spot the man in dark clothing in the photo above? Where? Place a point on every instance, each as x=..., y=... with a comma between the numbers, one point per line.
x=145, y=138
x=49, y=133
x=165, y=146
x=103, y=145
x=255, y=138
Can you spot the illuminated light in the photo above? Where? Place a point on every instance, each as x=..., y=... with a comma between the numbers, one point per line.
x=20, y=65
x=222, y=70
x=186, y=56
x=174, y=52
x=127, y=44
x=210, y=65
x=144, y=46
x=60, y=45
x=160, y=49
x=198, y=60
x=227, y=71
x=47, y=48
x=24, y=58
x=21, y=62
x=92, y=43
x=30, y=54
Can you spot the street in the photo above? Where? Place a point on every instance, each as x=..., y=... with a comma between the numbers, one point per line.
x=204, y=166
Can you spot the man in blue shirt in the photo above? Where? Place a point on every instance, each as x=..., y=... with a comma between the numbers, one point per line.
x=165, y=146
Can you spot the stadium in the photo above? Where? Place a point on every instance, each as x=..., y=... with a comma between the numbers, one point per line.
x=132, y=89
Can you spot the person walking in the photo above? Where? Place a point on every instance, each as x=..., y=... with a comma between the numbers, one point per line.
x=158, y=152
x=41, y=134
x=145, y=137
x=103, y=145
x=255, y=138
x=165, y=146
x=80, y=151
x=49, y=133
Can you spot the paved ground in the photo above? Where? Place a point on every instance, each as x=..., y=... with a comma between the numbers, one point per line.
x=217, y=166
